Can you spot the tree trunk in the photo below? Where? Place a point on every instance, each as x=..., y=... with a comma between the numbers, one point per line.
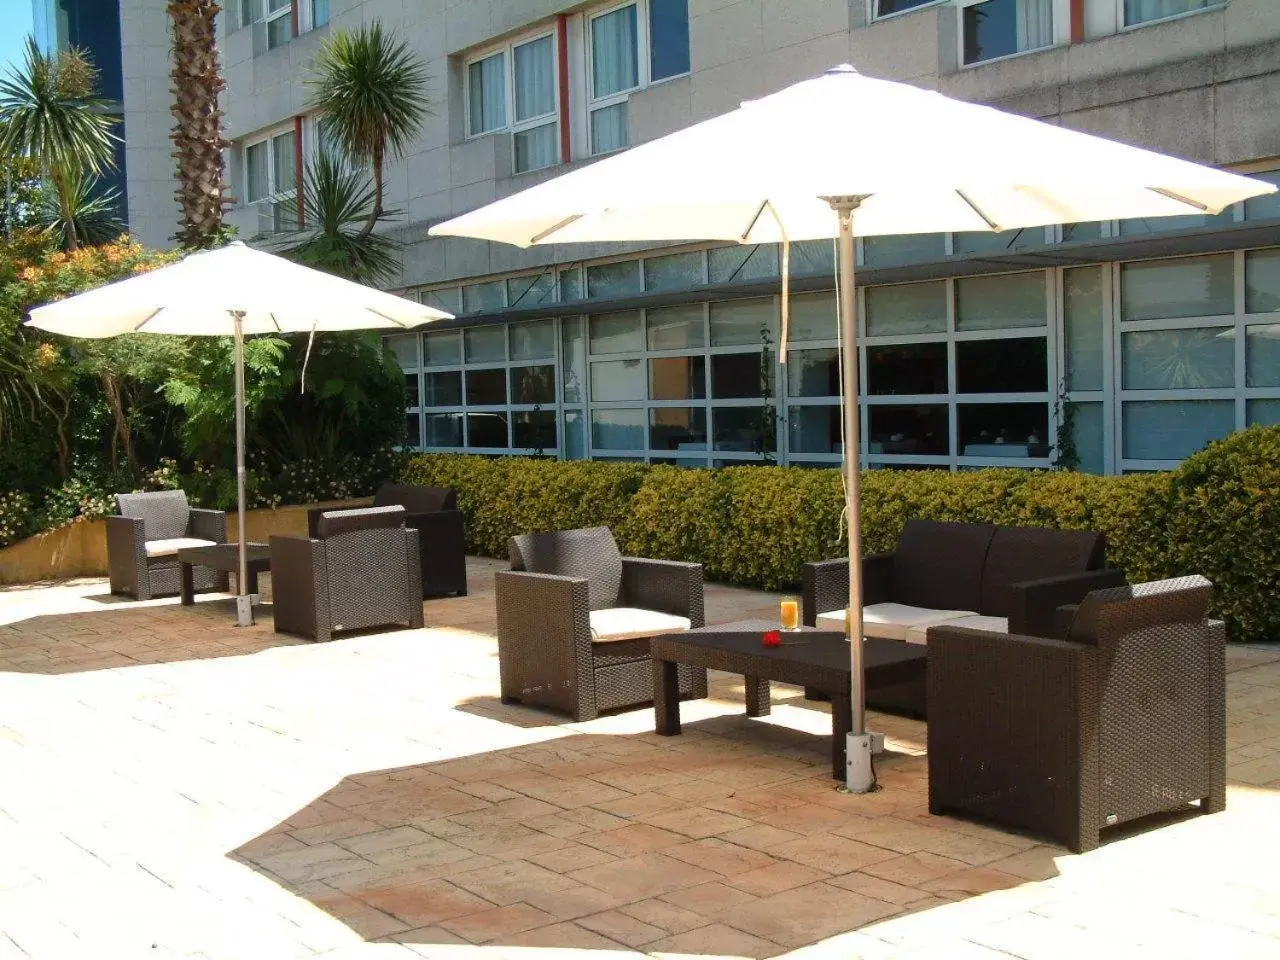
x=68, y=214
x=111, y=387
x=197, y=129
x=376, y=213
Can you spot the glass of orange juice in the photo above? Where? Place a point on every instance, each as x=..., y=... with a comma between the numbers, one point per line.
x=789, y=613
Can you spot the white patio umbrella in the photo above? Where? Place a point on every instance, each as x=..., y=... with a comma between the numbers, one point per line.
x=840, y=154
x=233, y=291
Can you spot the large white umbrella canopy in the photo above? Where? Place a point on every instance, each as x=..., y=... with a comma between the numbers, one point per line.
x=233, y=291
x=844, y=154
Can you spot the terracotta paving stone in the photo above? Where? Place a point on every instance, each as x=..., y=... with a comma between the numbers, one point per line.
x=668, y=916
x=368, y=921
x=407, y=872
x=268, y=845
x=427, y=805
x=575, y=900
x=807, y=914
x=385, y=838
x=807, y=818
x=716, y=939
x=512, y=882
x=312, y=863
x=431, y=852
x=698, y=791
x=775, y=878
x=724, y=858
x=625, y=929
x=634, y=838
x=641, y=805
x=428, y=935
x=499, y=922
x=759, y=837
x=1038, y=863
x=424, y=904
x=891, y=833
x=567, y=793
x=336, y=831
x=574, y=823
x=971, y=882
x=493, y=767
x=830, y=853
x=914, y=869
x=508, y=841
x=639, y=878
x=711, y=900
x=638, y=778
x=879, y=888
x=697, y=822
x=562, y=936
x=571, y=856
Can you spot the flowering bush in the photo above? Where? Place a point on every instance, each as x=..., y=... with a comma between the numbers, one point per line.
x=15, y=516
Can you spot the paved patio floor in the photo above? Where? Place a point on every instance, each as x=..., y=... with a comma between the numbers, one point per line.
x=172, y=786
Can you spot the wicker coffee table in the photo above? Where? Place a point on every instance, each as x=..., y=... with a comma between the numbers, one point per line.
x=223, y=556
x=811, y=658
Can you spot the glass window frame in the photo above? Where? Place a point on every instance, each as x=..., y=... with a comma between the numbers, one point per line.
x=644, y=67
x=874, y=14
x=1124, y=25
x=1059, y=33
x=510, y=124
x=272, y=208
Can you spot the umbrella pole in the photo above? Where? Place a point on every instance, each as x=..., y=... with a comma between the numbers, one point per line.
x=860, y=777
x=244, y=602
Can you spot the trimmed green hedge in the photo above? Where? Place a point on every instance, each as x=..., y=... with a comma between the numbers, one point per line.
x=1217, y=515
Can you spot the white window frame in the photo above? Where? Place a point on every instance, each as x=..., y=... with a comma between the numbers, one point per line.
x=510, y=124
x=644, y=65
x=874, y=15
x=1060, y=12
x=1123, y=25
x=266, y=205
x=264, y=15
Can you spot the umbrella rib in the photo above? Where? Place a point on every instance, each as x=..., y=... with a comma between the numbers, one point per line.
x=978, y=210
x=754, y=220
x=402, y=326
x=539, y=237
x=150, y=316
x=1203, y=208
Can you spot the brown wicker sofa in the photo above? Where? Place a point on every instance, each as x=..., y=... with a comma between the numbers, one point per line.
x=1006, y=579
x=143, y=542
x=433, y=512
x=575, y=618
x=359, y=571
x=1123, y=717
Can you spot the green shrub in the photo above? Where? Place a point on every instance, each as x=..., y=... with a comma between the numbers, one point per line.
x=1217, y=515
x=15, y=516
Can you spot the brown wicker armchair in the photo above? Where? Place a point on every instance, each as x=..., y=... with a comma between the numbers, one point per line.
x=433, y=512
x=143, y=542
x=360, y=571
x=575, y=618
x=1123, y=717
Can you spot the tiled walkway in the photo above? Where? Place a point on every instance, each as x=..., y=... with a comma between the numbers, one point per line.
x=171, y=786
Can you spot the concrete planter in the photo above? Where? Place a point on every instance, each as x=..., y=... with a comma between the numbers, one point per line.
x=80, y=549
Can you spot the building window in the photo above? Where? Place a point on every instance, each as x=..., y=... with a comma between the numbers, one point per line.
x=530, y=88
x=271, y=182
x=1146, y=11
x=887, y=8
x=319, y=13
x=1000, y=28
x=624, y=58
x=272, y=22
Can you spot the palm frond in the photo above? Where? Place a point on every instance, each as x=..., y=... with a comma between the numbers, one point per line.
x=336, y=200
x=372, y=90
x=48, y=111
x=94, y=213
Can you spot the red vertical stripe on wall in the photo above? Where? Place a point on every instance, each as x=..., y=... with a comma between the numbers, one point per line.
x=1077, y=21
x=297, y=167
x=293, y=16
x=562, y=38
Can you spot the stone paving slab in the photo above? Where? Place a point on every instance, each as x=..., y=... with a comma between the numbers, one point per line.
x=174, y=786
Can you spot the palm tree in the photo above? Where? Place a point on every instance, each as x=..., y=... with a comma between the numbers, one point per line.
x=50, y=112
x=90, y=215
x=197, y=129
x=335, y=198
x=372, y=92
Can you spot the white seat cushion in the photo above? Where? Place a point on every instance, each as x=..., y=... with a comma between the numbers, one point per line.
x=630, y=623
x=167, y=548
x=972, y=622
x=893, y=621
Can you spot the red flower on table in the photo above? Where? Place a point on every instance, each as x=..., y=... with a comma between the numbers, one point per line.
x=772, y=638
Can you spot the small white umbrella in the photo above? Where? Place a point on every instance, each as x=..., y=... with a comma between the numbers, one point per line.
x=232, y=291
x=804, y=162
